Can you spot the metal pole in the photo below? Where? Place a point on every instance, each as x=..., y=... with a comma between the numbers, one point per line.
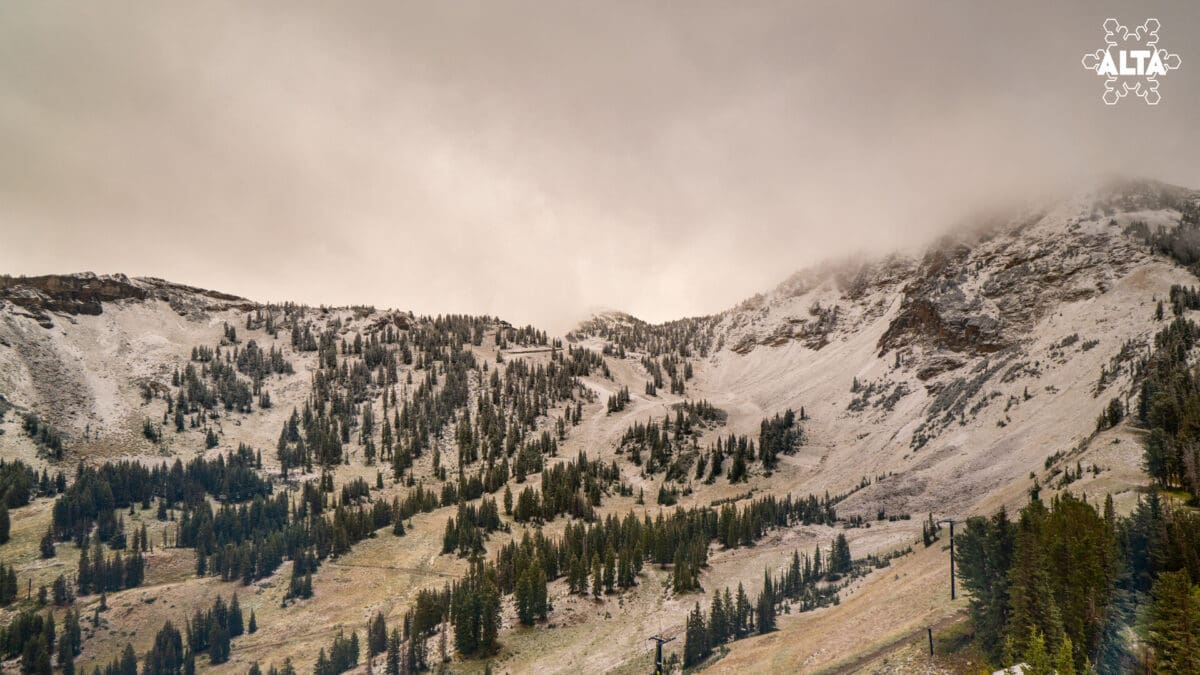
x=930, y=629
x=952, y=589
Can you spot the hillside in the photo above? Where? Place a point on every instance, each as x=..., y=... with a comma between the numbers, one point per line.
x=947, y=384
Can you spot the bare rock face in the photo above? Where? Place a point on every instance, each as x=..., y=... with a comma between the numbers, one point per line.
x=816, y=306
x=86, y=293
x=984, y=296
x=71, y=294
x=938, y=309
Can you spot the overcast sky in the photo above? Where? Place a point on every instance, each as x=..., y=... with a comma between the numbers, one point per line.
x=537, y=160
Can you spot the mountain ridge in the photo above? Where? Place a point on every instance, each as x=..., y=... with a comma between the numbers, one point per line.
x=950, y=382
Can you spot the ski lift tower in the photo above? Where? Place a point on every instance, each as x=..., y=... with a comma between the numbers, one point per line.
x=659, y=641
x=951, y=521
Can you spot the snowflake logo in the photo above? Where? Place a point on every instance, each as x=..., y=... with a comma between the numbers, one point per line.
x=1131, y=62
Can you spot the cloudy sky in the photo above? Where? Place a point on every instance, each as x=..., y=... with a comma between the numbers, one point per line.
x=537, y=160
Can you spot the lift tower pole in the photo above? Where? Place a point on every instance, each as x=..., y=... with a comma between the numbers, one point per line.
x=953, y=594
x=659, y=641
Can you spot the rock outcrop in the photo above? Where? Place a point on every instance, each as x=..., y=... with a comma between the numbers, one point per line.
x=86, y=293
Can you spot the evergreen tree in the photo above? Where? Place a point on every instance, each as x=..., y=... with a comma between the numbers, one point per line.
x=236, y=627
x=766, y=605
x=323, y=665
x=66, y=658
x=1037, y=657
x=475, y=610
x=743, y=622
x=8, y=585
x=1174, y=623
x=541, y=595
x=377, y=635
x=718, y=626
x=218, y=644
x=166, y=657
x=695, y=645
x=840, y=561
x=1032, y=606
x=597, y=579
x=984, y=551
x=128, y=661
x=47, y=545
x=72, y=633
x=1064, y=659
x=523, y=596
x=35, y=659
x=393, y=653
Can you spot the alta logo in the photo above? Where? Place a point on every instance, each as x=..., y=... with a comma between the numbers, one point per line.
x=1131, y=62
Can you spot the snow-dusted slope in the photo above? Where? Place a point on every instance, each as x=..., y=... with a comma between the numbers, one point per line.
x=946, y=380
x=957, y=373
x=77, y=348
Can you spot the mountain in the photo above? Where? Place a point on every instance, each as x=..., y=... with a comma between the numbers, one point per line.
x=950, y=383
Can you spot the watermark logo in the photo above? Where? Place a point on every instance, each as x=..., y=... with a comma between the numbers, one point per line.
x=1131, y=62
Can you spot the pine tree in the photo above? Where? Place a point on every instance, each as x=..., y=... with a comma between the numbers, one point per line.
x=766, y=605
x=235, y=624
x=718, y=628
x=5, y=524
x=128, y=664
x=72, y=632
x=475, y=610
x=1032, y=607
x=610, y=571
x=393, y=653
x=1175, y=623
x=597, y=579
x=1037, y=658
x=323, y=665
x=489, y=615
x=376, y=635
x=541, y=595
x=35, y=659
x=83, y=579
x=984, y=551
x=1064, y=659
x=66, y=657
x=742, y=623
x=695, y=645
x=523, y=596
x=840, y=561
x=738, y=470
x=218, y=644
x=47, y=545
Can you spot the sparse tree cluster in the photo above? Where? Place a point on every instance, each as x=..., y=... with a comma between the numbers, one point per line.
x=48, y=439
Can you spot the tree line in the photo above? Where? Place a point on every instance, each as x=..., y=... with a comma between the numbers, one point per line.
x=1062, y=583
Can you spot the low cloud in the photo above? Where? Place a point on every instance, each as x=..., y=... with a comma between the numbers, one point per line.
x=536, y=160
